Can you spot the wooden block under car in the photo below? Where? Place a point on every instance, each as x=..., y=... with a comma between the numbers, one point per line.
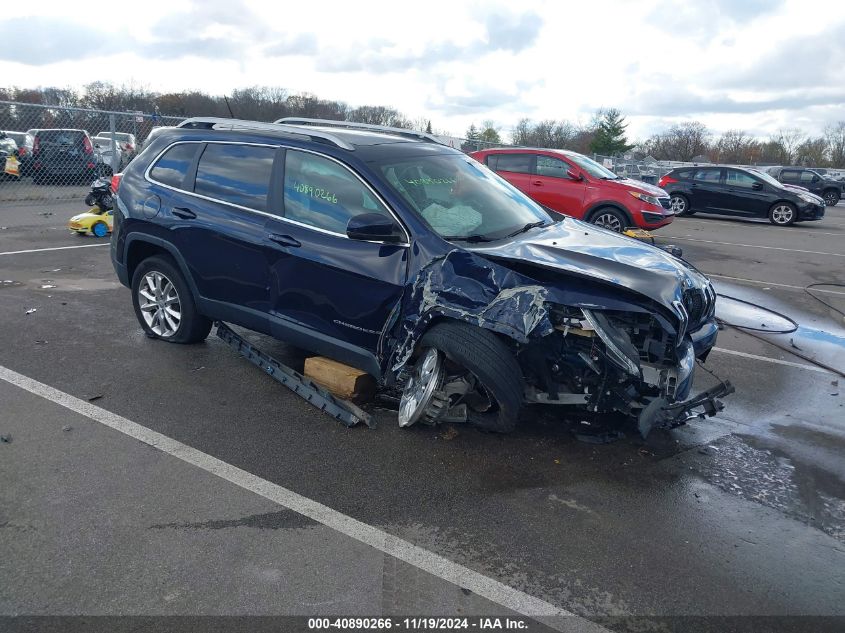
x=342, y=380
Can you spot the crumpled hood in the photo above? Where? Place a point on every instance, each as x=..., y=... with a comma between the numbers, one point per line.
x=589, y=251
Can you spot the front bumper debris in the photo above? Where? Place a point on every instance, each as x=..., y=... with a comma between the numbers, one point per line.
x=347, y=412
x=661, y=414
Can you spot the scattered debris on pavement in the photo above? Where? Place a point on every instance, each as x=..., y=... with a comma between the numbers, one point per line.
x=6, y=439
x=31, y=310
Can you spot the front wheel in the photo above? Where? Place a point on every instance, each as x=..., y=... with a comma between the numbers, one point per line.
x=783, y=214
x=831, y=197
x=164, y=304
x=461, y=363
x=609, y=218
x=100, y=229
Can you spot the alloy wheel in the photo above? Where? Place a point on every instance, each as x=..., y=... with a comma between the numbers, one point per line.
x=678, y=204
x=608, y=221
x=423, y=382
x=159, y=303
x=831, y=198
x=782, y=214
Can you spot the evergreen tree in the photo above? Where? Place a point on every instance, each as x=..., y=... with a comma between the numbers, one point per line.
x=428, y=127
x=609, y=137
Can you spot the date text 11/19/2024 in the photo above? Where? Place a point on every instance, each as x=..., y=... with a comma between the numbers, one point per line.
x=419, y=624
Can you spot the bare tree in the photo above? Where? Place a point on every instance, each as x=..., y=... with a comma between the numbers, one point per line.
x=735, y=146
x=682, y=141
x=813, y=152
x=835, y=135
x=379, y=115
x=788, y=140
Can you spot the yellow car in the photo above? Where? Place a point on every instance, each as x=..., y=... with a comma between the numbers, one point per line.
x=95, y=221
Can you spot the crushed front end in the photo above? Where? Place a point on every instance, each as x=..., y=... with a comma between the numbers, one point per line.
x=635, y=363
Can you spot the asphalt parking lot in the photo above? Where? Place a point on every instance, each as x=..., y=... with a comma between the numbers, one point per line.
x=147, y=479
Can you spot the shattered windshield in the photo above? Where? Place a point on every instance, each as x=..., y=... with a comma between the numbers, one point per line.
x=461, y=199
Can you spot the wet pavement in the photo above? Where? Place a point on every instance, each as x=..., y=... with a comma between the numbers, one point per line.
x=740, y=516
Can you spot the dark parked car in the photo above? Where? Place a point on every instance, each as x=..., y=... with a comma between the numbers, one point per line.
x=828, y=188
x=572, y=184
x=741, y=192
x=24, y=142
x=388, y=251
x=63, y=156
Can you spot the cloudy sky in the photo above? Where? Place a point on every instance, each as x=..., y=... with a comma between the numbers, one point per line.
x=757, y=65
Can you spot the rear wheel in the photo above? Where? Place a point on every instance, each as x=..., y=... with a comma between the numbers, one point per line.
x=164, y=304
x=783, y=214
x=461, y=363
x=100, y=229
x=609, y=218
x=680, y=205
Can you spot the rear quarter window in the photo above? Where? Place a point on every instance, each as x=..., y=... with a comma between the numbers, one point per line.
x=171, y=167
x=518, y=163
x=238, y=174
x=683, y=174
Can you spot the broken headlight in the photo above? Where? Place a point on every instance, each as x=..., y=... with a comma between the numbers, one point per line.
x=620, y=350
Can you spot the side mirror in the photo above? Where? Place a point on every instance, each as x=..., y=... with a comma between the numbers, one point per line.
x=373, y=227
x=573, y=174
x=757, y=186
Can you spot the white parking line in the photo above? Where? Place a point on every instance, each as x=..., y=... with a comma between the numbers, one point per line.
x=777, y=361
x=55, y=248
x=769, y=283
x=430, y=562
x=792, y=229
x=771, y=248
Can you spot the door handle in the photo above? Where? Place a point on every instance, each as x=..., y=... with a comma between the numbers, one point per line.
x=284, y=240
x=184, y=213
x=537, y=183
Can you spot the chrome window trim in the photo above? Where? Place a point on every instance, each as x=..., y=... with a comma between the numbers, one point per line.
x=392, y=213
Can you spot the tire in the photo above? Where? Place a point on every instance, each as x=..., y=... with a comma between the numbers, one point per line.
x=783, y=214
x=609, y=218
x=680, y=205
x=484, y=355
x=100, y=229
x=191, y=327
x=831, y=197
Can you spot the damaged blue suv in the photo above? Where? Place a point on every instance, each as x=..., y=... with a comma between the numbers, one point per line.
x=391, y=252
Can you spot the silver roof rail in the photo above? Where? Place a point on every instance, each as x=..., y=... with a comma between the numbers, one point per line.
x=219, y=123
x=352, y=125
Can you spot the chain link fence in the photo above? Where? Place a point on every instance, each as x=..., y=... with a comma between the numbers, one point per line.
x=54, y=153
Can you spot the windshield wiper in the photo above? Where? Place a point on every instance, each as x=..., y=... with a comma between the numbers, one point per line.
x=467, y=238
x=527, y=227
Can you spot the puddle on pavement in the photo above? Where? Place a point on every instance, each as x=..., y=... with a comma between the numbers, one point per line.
x=750, y=468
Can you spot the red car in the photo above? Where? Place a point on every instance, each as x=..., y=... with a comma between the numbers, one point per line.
x=572, y=184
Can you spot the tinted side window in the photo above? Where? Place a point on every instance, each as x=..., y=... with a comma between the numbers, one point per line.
x=789, y=175
x=324, y=194
x=683, y=174
x=492, y=161
x=519, y=163
x=708, y=175
x=807, y=176
x=239, y=174
x=171, y=168
x=740, y=179
x=548, y=166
